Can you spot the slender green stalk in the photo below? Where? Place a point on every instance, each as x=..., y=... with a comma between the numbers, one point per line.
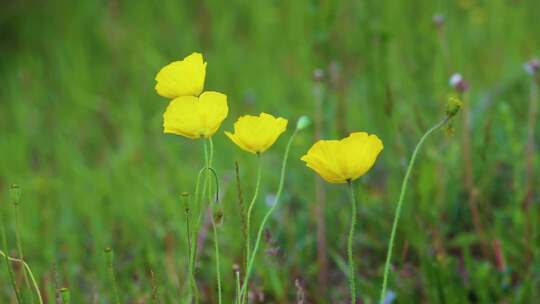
x=250, y=208
x=243, y=291
x=191, y=283
x=352, y=280
x=8, y=265
x=209, y=159
x=400, y=204
x=237, y=275
x=66, y=297
x=110, y=268
x=16, y=198
x=28, y=270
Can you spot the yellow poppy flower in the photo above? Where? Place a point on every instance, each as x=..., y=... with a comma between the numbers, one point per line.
x=195, y=117
x=340, y=161
x=182, y=78
x=256, y=134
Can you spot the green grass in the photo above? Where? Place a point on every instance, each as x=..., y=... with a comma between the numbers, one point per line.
x=80, y=132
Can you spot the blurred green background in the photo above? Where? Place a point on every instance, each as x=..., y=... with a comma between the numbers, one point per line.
x=80, y=132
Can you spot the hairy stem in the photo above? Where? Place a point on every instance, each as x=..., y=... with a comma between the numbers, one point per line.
x=112, y=276
x=243, y=291
x=208, y=181
x=250, y=209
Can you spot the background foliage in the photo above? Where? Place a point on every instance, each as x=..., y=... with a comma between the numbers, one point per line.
x=80, y=131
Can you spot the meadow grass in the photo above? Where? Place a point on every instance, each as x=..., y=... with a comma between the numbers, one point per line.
x=81, y=133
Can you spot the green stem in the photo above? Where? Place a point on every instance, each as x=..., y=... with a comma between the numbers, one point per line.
x=352, y=280
x=8, y=265
x=208, y=181
x=110, y=267
x=243, y=291
x=29, y=271
x=237, y=275
x=66, y=297
x=400, y=204
x=19, y=243
x=250, y=208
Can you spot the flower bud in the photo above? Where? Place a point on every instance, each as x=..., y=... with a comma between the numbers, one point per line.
x=453, y=105
x=458, y=83
x=303, y=122
x=218, y=216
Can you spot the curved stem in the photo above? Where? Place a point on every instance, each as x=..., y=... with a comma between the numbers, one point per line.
x=250, y=208
x=19, y=243
x=352, y=280
x=29, y=271
x=8, y=265
x=267, y=215
x=400, y=204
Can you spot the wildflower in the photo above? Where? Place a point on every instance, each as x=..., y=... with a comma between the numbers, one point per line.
x=195, y=117
x=341, y=161
x=438, y=21
x=532, y=66
x=458, y=83
x=256, y=134
x=182, y=78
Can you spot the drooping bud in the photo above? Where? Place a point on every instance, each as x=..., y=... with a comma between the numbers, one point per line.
x=218, y=215
x=453, y=105
x=303, y=122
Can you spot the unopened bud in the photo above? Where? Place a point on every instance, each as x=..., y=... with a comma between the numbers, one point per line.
x=303, y=122
x=218, y=216
x=453, y=105
x=458, y=83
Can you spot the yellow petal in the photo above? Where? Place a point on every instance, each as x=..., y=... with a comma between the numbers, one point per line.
x=182, y=117
x=322, y=159
x=256, y=134
x=346, y=159
x=213, y=110
x=182, y=78
x=196, y=117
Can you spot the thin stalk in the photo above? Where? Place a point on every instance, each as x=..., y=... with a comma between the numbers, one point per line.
x=250, y=208
x=110, y=268
x=187, y=210
x=237, y=275
x=15, y=192
x=400, y=204
x=352, y=280
x=208, y=181
x=66, y=297
x=28, y=270
x=243, y=291
x=8, y=265
x=193, y=291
